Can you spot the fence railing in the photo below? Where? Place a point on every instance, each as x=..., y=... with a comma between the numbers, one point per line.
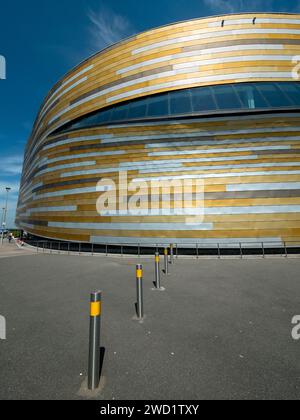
x=218, y=250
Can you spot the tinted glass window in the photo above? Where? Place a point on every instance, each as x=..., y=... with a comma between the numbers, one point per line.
x=248, y=96
x=88, y=122
x=119, y=113
x=137, y=109
x=226, y=97
x=292, y=90
x=202, y=99
x=158, y=105
x=180, y=102
x=103, y=117
x=273, y=95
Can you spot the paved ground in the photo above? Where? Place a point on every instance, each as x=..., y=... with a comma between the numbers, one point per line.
x=12, y=250
x=221, y=330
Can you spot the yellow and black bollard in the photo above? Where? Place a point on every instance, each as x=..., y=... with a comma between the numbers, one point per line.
x=94, y=350
x=139, y=292
x=157, y=270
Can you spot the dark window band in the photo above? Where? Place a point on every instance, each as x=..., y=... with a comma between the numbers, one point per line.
x=202, y=100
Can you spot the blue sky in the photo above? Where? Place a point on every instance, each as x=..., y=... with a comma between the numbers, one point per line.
x=42, y=40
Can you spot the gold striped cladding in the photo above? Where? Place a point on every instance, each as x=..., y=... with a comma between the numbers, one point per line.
x=90, y=108
x=246, y=233
x=124, y=51
x=142, y=154
x=132, y=172
x=106, y=66
x=98, y=104
x=237, y=159
x=62, y=150
x=227, y=203
x=234, y=220
x=208, y=181
x=86, y=238
x=160, y=51
x=124, y=58
x=290, y=51
x=102, y=79
x=220, y=203
x=165, y=127
x=231, y=172
x=223, y=226
x=229, y=220
x=141, y=150
x=85, y=197
x=180, y=125
x=218, y=184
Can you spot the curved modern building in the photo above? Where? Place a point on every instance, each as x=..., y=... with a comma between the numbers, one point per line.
x=214, y=99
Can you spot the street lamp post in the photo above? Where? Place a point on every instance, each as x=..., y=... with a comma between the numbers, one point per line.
x=5, y=214
x=2, y=216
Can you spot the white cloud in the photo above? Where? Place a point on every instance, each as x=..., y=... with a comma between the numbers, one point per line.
x=11, y=165
x=108, y=27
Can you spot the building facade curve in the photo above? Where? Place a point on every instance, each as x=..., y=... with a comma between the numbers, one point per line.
x=214, y=99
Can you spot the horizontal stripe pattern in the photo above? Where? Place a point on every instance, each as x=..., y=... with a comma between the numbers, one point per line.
x=158, y=60
x=249, y=165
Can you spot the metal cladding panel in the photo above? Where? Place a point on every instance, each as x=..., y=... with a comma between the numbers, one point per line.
x=250, y=165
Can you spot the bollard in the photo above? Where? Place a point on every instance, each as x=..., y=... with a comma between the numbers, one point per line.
x=139, y=291
x=286, y=250
x=171, y=254
x=157, y=270
x=94, y=350
x=166, y=262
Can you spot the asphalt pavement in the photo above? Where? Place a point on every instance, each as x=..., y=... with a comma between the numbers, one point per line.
x=220, y=330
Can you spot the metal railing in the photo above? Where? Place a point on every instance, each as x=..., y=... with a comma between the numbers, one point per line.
x=217, y=250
